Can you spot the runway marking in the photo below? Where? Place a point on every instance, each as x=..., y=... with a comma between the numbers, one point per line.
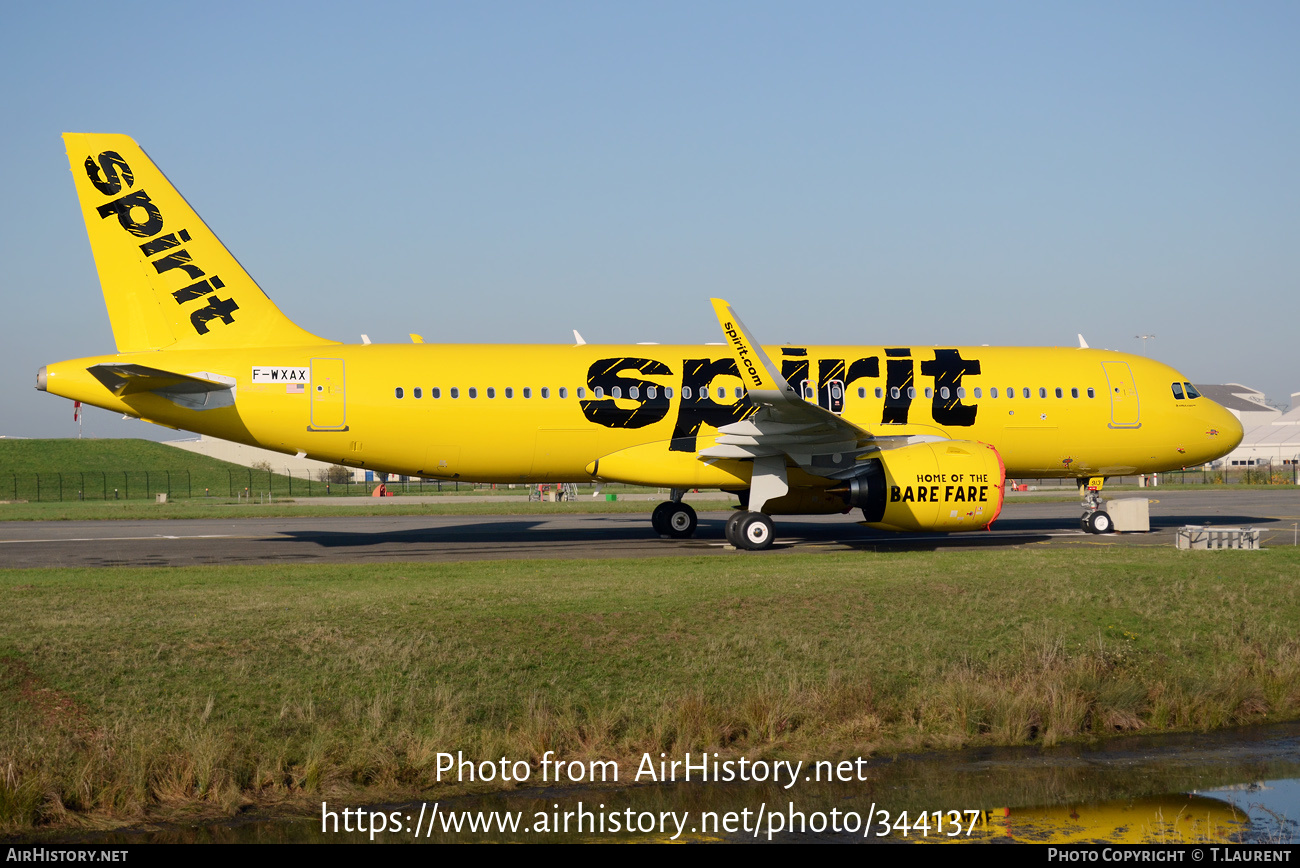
x=122, y=538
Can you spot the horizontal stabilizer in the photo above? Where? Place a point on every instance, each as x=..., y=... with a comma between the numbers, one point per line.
x=187, y=390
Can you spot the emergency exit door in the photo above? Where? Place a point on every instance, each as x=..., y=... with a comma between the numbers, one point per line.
x=328, y=404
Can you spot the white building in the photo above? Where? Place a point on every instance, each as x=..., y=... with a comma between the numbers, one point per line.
x=1276, y=442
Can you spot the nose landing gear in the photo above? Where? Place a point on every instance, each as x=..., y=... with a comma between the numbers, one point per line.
x=1095, y=518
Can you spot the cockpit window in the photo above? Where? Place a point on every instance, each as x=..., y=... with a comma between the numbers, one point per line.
x=1178, y=391
x=1191, y=391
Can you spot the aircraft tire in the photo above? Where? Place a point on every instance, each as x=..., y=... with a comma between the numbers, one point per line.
x=681, y=521
x=755, y=532
x=659, y=518
x=1102, y=523
x=732, y=531
x=1086, y=523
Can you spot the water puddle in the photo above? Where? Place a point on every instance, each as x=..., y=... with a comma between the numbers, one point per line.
x=1234, y=786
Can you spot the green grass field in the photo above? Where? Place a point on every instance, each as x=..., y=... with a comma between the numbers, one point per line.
x=88, y=479
x=134, y=693
x=94, y=456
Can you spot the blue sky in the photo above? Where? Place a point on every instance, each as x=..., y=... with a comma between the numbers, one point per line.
x=937, y=173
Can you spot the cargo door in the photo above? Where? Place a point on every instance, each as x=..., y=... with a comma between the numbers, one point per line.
x=1124, y=411
x=328, y=405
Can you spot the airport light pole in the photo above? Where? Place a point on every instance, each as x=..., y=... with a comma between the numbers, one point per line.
x=1144, y=339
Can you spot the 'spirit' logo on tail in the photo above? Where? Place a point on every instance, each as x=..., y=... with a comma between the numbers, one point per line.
x=139, y=216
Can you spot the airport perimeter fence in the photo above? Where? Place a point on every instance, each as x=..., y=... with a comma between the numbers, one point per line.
x=1264, y=474
x=252, y=483
x=148, y=484
x=244, y=483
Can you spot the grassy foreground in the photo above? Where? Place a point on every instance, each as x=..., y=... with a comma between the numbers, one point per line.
x=130, y=693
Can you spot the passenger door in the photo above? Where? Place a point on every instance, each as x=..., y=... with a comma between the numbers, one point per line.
x=1124, y=409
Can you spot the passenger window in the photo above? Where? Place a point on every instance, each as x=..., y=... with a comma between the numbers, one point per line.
x=1011, y=391
x=722, y=393
x=944, y=393
x=582, y=393
x=911, y=392
x=616, y=392
x=1191, y=391
x=436, y=392
x=879, y=392
x=686, y=392
x=492, y=391
x=894, y=393
x=528, y=391
x=1091, y=392
x=1025, y=392
x=668, y=392
x=1059, y=392
x=993, y=393
x=740, y=393
x=979, y=393
x=417, y=392
x=1074, y=393
x=862, y=392
x=398, y=392
x=651, y=392
x=1178, y=391
x=599, y=392
x=546, y=391
x=510, y=391
x=634, y=392
x=473, y=391
x=564, y=391
x=455, y=392
x=929, y=393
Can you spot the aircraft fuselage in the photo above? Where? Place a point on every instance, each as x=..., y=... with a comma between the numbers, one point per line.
x=536, y=413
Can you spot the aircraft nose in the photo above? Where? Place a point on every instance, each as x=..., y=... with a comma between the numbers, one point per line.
x=1220, y=433
x=1230, y=430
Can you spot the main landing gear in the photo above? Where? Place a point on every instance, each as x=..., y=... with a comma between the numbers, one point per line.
x=673, y=518
x=747, y=530
x=752, y=531
x=1095, y=517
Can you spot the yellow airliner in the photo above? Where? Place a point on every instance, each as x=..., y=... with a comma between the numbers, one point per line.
x=918, y=438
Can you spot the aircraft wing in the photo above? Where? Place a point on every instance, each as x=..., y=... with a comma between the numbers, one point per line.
x=785, y=424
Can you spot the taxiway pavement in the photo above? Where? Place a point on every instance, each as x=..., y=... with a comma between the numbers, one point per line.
x=462, y=538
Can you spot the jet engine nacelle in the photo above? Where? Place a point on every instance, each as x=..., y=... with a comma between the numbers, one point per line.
x=944, y=485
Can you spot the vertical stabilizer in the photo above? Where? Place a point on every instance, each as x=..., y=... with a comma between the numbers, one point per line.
x=168, y=281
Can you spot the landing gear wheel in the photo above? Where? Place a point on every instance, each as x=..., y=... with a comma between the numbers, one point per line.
x=680, y=520
x=659, y=518
x=754, y=532
x=1086, y=523
x=1101, y=522
x=732, y=530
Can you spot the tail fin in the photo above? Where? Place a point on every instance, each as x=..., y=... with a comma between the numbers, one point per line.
x=168, y=281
